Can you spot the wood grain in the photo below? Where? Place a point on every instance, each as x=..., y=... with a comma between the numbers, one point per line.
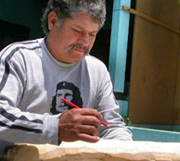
x=104, y=150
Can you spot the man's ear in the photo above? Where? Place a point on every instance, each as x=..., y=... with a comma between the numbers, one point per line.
x=52, y=20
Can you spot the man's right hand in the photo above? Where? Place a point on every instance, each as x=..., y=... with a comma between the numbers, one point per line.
x=79, y=124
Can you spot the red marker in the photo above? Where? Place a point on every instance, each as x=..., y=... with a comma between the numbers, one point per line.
x=75, y=106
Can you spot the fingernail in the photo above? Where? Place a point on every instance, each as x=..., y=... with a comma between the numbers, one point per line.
x=98, y=138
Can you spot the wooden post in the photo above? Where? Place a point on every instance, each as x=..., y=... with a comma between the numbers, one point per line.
x=118, y=46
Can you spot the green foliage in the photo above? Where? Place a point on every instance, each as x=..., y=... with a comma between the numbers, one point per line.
x=126, y=119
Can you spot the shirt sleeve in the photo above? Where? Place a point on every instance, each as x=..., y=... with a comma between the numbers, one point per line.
x=16, y=125
x=109, y=108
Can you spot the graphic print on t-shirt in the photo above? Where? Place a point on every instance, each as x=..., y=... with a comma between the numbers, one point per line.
x=68, y=91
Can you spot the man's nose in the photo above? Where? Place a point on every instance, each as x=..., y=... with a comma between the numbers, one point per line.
x=84, y=39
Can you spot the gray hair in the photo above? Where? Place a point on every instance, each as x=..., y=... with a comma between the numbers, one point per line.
x=69, y=8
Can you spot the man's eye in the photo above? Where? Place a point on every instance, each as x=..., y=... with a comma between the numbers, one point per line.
x=77, y=31
x=93, y=35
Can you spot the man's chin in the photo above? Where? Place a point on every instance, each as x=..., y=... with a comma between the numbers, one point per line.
x=77, y=58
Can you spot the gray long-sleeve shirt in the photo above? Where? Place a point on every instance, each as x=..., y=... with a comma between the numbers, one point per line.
x=31, y=84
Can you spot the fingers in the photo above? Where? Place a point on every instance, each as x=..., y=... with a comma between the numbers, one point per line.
x=89, y=138
x=88, y=129
x=79, y=124
x=90, y=120
x=89, y=111
x=83, y=116
x=73, y=133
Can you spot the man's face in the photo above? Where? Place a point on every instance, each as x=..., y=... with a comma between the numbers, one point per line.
x=81, y=31
x=65, y=93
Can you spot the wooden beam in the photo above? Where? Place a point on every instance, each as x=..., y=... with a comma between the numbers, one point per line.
x=146, y=17
x=106, y=150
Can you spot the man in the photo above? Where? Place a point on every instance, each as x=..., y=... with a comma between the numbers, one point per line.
x=31, y=70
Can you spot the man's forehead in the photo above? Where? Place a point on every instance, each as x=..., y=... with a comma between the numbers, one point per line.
x=83, y=28
x=84, y=21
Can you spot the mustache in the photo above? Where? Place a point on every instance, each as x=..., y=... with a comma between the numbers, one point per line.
x=78, y=46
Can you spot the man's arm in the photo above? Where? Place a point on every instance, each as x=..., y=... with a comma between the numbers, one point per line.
x=17, y=125
x=109, y=108
x=107, y=105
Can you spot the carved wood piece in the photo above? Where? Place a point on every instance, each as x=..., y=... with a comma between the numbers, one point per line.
x=104, y=150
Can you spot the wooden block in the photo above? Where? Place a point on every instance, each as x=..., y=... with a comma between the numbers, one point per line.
x=104, y=150
x=155, y=68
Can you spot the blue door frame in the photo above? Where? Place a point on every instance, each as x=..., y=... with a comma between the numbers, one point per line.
x=117, y=67
x=118, y=48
